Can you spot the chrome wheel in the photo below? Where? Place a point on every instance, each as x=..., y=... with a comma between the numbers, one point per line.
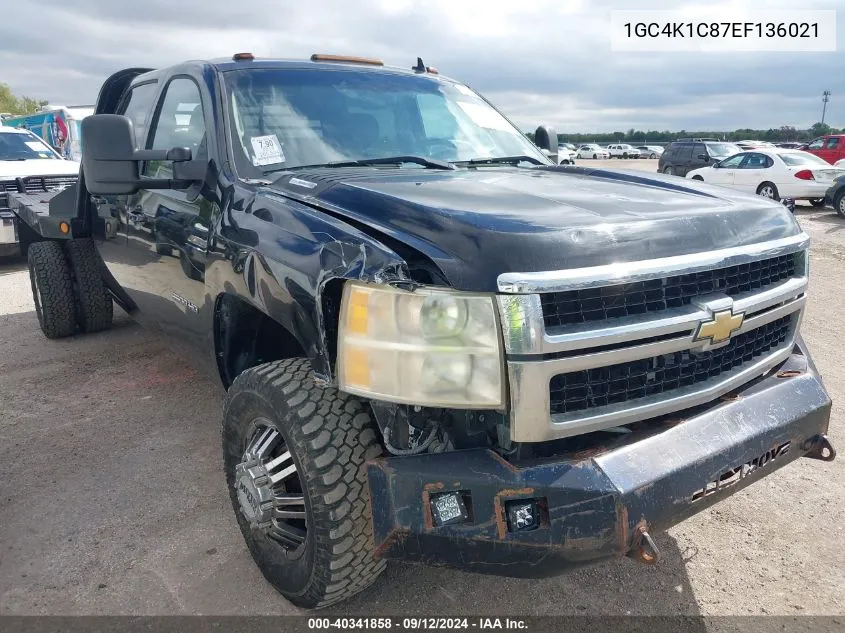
x=767, y=191
x=840, y=207
x=668, y=171
x=269, y=490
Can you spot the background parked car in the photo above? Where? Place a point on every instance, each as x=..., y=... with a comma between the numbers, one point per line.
x=568, y=146
x=835, y=195
x=790, y=145
x=623, y=150
x=565, y=156
x=773, y=173
x=591, y=150
x=830, y=147
x=683, y=156
x=748, y=145
x=651, y=151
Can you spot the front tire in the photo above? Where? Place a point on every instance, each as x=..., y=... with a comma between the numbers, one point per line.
x=652, y=156
x=698, y=178
x=94, y=305
x=326, y=556
x=668, y=171
x=768, y=190
x=839, y=204
x=52, y=289
x=595, y=157
x=817, y=202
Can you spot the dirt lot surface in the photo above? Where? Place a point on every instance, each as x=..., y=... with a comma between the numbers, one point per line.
x=112, y=497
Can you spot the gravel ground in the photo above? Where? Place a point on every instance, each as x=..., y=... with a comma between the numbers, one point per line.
x=113, y=501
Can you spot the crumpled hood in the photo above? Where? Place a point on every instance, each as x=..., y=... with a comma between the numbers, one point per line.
x=478, y=224
x=11, y=169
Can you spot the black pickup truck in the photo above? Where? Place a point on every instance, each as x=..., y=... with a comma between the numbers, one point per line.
x=437, y=344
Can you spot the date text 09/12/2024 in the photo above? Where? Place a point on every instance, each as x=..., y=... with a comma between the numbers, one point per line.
x=418, y=623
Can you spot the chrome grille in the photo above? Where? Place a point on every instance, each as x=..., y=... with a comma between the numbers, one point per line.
x=615, y=384
x=655, y=295
x=625, y=347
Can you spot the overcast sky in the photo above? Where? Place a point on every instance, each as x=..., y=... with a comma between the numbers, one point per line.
x=539, y=61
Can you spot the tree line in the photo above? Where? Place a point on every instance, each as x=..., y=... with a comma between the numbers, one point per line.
x=782, y=134
x=11, y=104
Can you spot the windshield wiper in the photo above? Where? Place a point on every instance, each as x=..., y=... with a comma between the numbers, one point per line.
x=501, y=160
x=428, y=163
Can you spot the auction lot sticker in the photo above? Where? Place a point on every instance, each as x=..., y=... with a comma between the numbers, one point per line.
x=712, y=28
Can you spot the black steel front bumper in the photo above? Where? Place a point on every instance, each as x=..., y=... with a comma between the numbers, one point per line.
x=598, y=505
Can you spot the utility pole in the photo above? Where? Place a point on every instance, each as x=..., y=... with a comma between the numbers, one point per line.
x=825, y=99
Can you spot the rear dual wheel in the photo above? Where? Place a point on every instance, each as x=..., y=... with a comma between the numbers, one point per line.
x=68, y=288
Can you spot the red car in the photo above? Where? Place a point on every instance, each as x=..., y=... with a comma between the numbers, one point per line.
x=830, y=147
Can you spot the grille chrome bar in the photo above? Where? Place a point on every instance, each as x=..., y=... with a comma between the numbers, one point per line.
x=627, y=272
x=524, y=333
x=616, y=340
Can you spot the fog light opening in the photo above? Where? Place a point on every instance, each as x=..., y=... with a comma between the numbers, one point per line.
x=451, y=508
x=523, y=515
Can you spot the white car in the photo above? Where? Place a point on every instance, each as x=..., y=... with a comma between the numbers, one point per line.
x=24, y=154
x=623, y=150
x=591, y=150
x=773, y=173
x=840, y=163
x=651, y=151
x=566, y=156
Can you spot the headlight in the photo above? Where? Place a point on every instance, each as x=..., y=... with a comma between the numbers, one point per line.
x=429, y=347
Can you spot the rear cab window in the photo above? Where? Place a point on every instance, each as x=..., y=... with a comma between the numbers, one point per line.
x=137, y=105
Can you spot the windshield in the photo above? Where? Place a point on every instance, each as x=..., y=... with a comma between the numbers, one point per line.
x=14, y=146
x=723, y=149
x=801, y=158
x=280, y=119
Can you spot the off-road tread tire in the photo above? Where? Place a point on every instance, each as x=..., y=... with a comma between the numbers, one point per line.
x=94, y=307
x=55, y=305
x=331, y=436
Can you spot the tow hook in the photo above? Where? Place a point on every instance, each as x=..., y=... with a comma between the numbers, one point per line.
x=644, y=549
x=822, y=449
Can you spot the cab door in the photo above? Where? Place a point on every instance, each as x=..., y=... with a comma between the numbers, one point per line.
x=725, y=173
x=752, y=172
x=168, y=230
x=834, y=148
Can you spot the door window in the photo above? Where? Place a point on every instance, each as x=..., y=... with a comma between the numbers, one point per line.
x=179, y=122
x=137, y=105
x=832, y=142
x=732, y=162
x=755, y=160
x=816, y=144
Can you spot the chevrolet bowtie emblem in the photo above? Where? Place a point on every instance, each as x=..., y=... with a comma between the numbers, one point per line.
x=720, y=327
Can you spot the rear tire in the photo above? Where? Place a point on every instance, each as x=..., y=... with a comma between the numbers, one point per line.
x=595, y=157
x=52, y=289
x=652, y=155
x=817, y=202
x=839, y=204
x=94, y=307
x=329, y=437
x=768, y=190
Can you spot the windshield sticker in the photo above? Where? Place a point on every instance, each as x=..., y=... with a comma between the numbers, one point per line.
x=35, y=146
x=484, y=116
x=267, y=150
